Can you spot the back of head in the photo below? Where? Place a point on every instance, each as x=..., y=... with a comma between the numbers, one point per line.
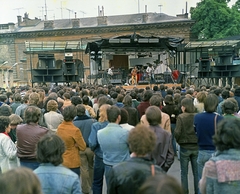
x=34, y=98
x=147, y=95
x=155, y=100
x=50, y=149
x=120, y=98
x=187, y=103
x=69, y=112
x=124, y=116
x=103, y=112
x=210, y=103
x=23, y=181
x=85, y=99
x=4, y=123
x=17, y=97
x=201, y=96
x=81, y=110
x=5, y=110
x=32, y=114
x=160, y=184
x=75, y=100
x=153, y=115
x=225, y=94
x=229, y=106
x=141, y=140
x=52, y=105
x=112, y=114
x=168, y=99
x=127, y=100
x=228, y=134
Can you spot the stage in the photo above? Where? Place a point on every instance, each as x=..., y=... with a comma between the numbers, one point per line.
x=130, y=87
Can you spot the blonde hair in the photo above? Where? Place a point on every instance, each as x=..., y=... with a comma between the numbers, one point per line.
x=103, y=112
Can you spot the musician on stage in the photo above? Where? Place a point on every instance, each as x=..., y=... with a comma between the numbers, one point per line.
x=161, y=67
x=134, y=75
x=150, y=72
x=110, y=72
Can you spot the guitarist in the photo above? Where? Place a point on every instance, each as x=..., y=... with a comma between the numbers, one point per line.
x=134, y=75
x=150, y=72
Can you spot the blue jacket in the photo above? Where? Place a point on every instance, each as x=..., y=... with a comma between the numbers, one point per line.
x=92, y=139
x=113, y=142
x=58, y=179
x=84, y=123
x=204, y=127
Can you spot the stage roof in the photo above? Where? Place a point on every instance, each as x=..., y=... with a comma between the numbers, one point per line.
x=134, y=43
x=216, y=43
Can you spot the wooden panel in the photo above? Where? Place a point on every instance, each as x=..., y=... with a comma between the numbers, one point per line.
x=120, y=61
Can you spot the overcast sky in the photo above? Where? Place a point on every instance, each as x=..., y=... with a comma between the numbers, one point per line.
x=58, y=9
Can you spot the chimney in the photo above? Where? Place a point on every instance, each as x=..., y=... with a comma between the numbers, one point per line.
x=49, y=24
x=75, y=23
x=102, y=20
x=145, y=8
x=186, y=8
x=19, y=19
x=145, y=17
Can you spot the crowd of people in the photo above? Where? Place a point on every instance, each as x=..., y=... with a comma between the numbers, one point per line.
x=75, y=138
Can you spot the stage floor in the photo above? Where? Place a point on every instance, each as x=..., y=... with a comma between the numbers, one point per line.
x=130, y=87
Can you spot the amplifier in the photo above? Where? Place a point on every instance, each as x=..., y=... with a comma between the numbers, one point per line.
x=116, y=81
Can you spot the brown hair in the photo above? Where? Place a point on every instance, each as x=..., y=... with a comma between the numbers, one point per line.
x=52, y=105
x=153, y=115
x=103, y=112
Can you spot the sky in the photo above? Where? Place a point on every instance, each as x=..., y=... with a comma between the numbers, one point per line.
x=65, y=9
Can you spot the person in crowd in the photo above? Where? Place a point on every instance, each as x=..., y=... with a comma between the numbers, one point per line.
x=172, y=110
x=15, y=120
x=90, y=110
x=54, y=177
x=225, y=95
x=132, y=112
x=229, y=108
x=163, y=153
x=119, y=103
x=72, y=138
x=135, y=102
x=84, y=123
x=161, y=184
x=67, y=100
x=162, y=90
x=16, y=103
x=221, y=172
x=124, y=120
x=8, y=150
x=20, y=180
x=53, y=118
x=186, y=137
x=113, y=141
x=205, y=125
x=129, y=175
x=145, y=103
x=98, y=171
x=237, y=95
x=199, y=101
x=3, y=100
x=5, y=110
x=20, y=109
x=27, y=137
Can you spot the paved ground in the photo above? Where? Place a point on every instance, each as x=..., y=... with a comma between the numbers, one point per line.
x=175, y=171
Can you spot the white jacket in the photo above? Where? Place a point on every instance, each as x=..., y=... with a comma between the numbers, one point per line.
x=8, y=153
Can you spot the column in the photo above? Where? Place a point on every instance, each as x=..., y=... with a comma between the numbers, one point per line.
x=1, y=77
x=10, y=72
x=6, y=78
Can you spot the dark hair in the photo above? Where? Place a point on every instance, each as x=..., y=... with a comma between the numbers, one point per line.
x=66, y=95
x=153, y=115
x=80, y=110
x=228, y=134
x=133, y=94
x=50, y=149
x=4, y=123
x=147, y=95
x=124, y=116
x=127, y=100
x=69, y=112
x=229, y=107
x=141, y=140
x=188, y=104
x=210, y=103
x=5, y=110
x=237, y=91
x=168, y=99
x=225, y=94
x=32, y=114
x=160, y=184
x=3, y=98
x=112, y=113
x=23, y=179
x=75, y=100
x=85, y=99
x=155, y=88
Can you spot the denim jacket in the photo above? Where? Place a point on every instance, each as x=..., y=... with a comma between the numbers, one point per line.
x=58, y=179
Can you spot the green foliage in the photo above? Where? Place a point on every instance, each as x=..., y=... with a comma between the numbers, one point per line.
x=214, y=19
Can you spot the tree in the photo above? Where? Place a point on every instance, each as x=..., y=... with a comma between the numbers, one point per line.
x=214, y=19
